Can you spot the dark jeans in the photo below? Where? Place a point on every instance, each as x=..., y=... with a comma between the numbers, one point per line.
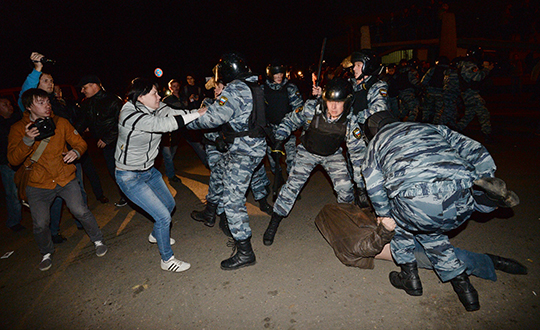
x=12, y=200
x=108, y=153
x=90, y=171
x=478, y=264
x=40, y=201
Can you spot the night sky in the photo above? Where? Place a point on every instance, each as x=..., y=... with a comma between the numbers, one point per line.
x=120, y=40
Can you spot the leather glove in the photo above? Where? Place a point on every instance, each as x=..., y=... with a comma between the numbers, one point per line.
x=278, y=147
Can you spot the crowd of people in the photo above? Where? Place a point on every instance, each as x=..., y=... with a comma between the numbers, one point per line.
x=385, y=152
x=508, y=20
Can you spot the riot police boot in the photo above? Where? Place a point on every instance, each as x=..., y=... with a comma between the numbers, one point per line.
x=466, y=292
x=224, y=225
x=243, y=257
x=270, y=233
x=407, y=279
x=264, y=206
x=496, y=190
x=206, y=216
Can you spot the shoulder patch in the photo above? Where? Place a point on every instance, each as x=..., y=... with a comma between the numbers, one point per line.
x=383, y=92
x=357, y=133
x=222, y=100
x=298, y=109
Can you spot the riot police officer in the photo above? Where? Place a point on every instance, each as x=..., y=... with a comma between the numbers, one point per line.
x=325, y=124
x=281, y=97
x=472, y=72
x=246, y=146
x=433, y=82
x=370, y=96
x=407, y=82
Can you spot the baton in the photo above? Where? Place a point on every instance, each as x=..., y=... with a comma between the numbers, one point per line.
x=320, y=62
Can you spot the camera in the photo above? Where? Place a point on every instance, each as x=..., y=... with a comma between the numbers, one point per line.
x=45, y=127
x=46, y=60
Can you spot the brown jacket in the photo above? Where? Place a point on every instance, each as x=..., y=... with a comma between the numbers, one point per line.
x=50, y=169
x=353, y=233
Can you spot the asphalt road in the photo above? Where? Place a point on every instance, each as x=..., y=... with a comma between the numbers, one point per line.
x=297, y=283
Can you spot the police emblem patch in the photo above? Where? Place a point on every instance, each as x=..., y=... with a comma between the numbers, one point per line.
x=357, y=133
x=383, y=92
x=222, y=100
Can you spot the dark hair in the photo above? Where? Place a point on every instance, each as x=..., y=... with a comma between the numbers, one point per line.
x=173, y=81
x=139, y=87
x=30, y=95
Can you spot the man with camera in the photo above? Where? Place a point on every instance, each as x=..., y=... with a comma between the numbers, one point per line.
x=53, y=174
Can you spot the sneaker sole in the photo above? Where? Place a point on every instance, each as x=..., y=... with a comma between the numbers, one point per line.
x=45, y=268
x=172, y=241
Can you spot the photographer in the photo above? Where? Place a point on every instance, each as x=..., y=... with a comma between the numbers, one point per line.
x=53, y=175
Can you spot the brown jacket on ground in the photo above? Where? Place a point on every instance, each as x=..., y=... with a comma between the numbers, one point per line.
x=353, y=233
x=50, y=169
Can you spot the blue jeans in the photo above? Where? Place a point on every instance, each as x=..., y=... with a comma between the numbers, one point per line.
x=12, y=200
x=478, y=264
x=168, y=156
x=148, y=190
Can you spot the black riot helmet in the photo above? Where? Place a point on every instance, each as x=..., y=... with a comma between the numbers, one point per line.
x=276, y=66
x=376, y=121
x=475, y=53
x=231, y=66
x=372, y=62
x=340, y=90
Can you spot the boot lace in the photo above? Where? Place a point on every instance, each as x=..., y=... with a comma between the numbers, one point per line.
x=232, y=244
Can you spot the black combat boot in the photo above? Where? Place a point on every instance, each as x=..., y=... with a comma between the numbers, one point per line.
x=224, y=225
x=466, y=292
x=407, y=279
x=206, y=216
x=244, y=256
x=270, y=233
x=264, y=206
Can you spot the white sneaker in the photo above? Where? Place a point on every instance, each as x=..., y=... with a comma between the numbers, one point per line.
x=174, y=265
x=153, y=240
x=46, y=262
x=101, y=248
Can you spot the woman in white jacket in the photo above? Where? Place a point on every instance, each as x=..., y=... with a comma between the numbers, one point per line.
x=142, y=121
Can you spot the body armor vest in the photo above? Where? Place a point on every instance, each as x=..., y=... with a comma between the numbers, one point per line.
x=360, y=97
x=323, y=138
x=256, y=120
x=277, y=104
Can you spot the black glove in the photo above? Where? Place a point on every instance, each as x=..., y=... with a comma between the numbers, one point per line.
x=278, y=147
x=221, y=145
